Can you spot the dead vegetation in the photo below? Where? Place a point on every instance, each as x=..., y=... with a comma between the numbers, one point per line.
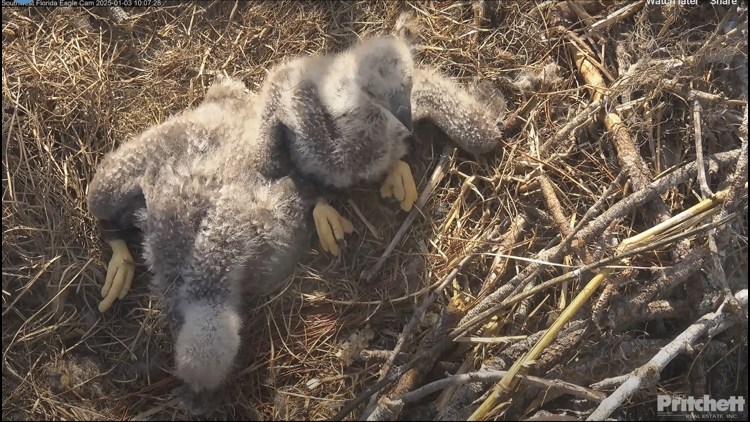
x=643, y=122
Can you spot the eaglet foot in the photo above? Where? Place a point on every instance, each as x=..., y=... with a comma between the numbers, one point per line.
x=400, y=184
x=331, y=227
x=120, y=274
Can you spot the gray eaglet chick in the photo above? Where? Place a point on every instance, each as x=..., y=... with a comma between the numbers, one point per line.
x=214, y=228
x=345, y=118
x=348, y=118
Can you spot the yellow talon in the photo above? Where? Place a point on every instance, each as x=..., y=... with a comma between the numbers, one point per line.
x=331, y=227
x=400, y=184
x=120, y=274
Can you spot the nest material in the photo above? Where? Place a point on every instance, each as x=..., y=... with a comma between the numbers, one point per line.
x=77, y=83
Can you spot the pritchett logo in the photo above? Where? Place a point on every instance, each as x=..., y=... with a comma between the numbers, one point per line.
x=705, y=404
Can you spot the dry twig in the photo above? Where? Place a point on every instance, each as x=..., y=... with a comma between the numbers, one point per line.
x=509, y=382
x=446, y=323
x=490, y=376
x=648, y=374
x=437, y=175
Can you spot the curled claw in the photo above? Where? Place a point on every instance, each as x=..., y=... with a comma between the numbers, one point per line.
x=331, y=227
x=120, y=273
x=400, y=184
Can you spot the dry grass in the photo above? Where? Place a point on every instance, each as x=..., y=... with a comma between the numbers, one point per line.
x=75, y=86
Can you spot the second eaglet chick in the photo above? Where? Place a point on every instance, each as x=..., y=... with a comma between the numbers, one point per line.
x=215, y=230
x=348, y=118
x=210, y=245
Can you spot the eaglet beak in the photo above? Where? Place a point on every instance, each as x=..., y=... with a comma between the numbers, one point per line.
x=400, y=106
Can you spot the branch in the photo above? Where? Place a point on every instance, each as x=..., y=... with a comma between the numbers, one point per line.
x=374, y=412
x=698, y=130
x=647, y=238
x=655, y=188
x=648, y=374
x=499, y=265
x=575, y=124
x=437, y=175
x=530, y=272
x=491, y=376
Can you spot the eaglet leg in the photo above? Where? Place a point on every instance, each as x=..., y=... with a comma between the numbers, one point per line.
x=115, y=195
x=400, y=184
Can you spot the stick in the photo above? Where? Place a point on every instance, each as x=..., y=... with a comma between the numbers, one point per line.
x=552, y=254
x=500, y=264
x=627, y=154
x=695, y=255
x=576, y=123
x=705, y=190
x=632, y=307
x=361, y=216
x=615, y=16
x=510, y=382
x=740, y=170
x=435, y=350
x=437, y=175
x=580, y=12
x=490, y=376
x=407, y=333
x=472, y=323
x=648, y=374
x=475, y=320
x=553, y=205
x=655, y=188
x=736, y=187
x=610, y=382
x=716, y=268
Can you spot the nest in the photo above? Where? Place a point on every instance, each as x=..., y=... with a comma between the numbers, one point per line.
x=611, y=106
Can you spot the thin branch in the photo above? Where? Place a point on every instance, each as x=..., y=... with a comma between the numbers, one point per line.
x=408, y=332
x=364, y=219
x=500, y=264
x=633, y=306
x=698, y=131
x=492, y=376
x=655, y=188
x=553, y=204
x=575, y=124
x=648, y=374
x=437, y=176
x=740, y=171
x=549, y=255
x=648, y=238
x=606, y=261
x=615, y=17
